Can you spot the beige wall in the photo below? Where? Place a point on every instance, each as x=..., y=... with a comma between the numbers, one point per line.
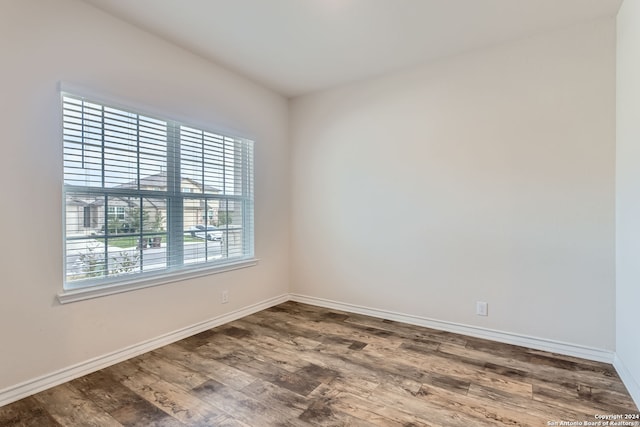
x=628, y=194
x=43, y=42
x=487, y=176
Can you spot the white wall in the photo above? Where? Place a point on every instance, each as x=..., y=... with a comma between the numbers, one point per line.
x=43, y=42
x=628, y=196
x=486, y=176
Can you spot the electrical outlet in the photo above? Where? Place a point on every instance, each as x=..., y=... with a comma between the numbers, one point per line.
x=482, y=308
x=225, y=297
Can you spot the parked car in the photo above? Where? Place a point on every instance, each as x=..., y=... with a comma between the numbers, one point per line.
x=208, y=232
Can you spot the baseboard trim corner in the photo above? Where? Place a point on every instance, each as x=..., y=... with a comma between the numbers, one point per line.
x=633, y=387
x=27, y=388
x=543, y=344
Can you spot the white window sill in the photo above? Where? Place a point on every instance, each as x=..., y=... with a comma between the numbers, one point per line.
x=85, y=293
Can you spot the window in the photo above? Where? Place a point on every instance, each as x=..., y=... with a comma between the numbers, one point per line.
x=86, y=217
x=116, y=212
x=127, y=214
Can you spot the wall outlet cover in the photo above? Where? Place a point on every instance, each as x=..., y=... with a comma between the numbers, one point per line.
x=482, y=308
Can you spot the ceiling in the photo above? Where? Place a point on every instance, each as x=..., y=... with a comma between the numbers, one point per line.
x=300, y=46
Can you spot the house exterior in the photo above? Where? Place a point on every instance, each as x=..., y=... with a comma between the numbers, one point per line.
x=86, y=215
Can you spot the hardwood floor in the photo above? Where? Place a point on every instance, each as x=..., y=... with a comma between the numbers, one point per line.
x=300, y=365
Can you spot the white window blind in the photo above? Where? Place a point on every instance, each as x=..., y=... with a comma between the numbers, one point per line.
x=146, y=196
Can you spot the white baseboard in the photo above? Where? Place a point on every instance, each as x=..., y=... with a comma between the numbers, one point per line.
x=27, y=388
x=574, y=350
x=629, y=381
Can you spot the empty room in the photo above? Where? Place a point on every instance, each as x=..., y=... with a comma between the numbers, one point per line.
x=320, y=212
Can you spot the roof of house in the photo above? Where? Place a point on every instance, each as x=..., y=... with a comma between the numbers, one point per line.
x=160, y=180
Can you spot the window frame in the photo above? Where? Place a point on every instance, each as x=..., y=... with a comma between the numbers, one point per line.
x=75, y=290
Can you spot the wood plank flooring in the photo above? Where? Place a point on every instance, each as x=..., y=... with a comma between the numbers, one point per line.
x=300, y=365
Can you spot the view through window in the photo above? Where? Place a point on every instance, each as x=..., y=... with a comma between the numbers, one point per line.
x=148, y=196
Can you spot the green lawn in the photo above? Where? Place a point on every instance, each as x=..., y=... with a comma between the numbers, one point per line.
x=123, y=242
x=132, y=241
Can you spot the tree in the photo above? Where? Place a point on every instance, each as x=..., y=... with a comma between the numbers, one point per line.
x=114, y=225
x=158, y=220
x=224, y=218
x=134, y=219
